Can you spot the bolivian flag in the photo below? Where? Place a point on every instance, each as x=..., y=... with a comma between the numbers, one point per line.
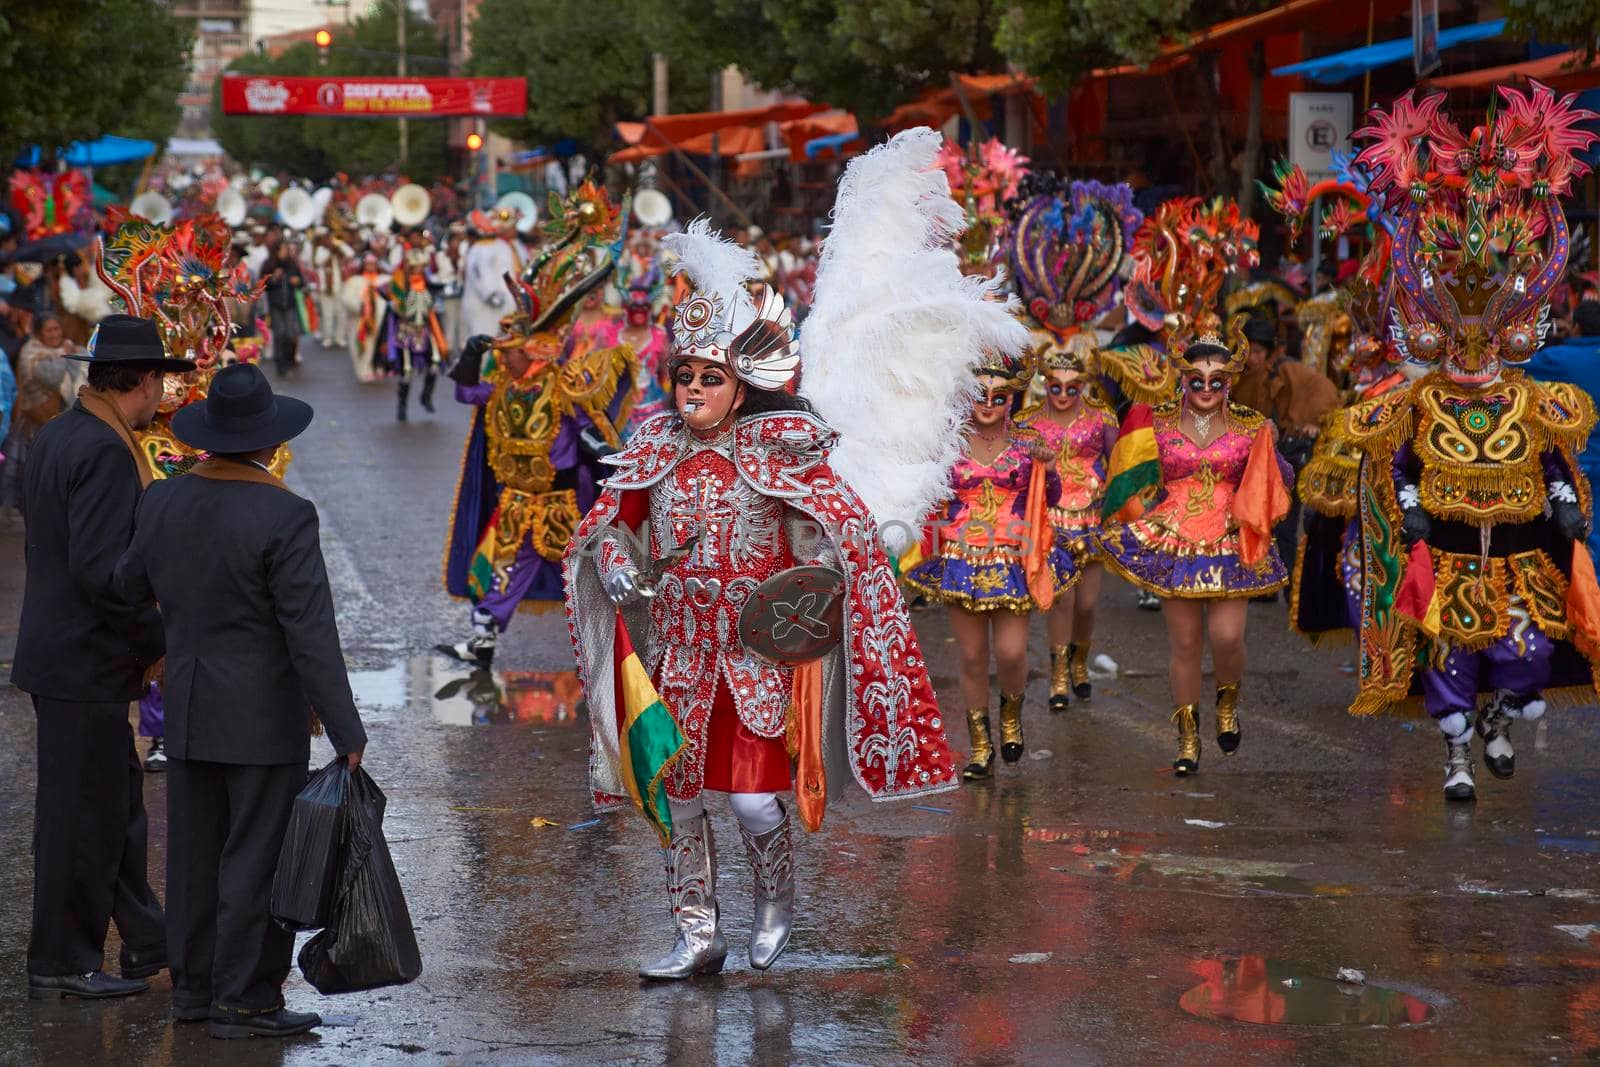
x=1135, y=466
x=648, y=737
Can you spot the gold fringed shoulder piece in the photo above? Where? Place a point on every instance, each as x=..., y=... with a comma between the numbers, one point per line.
x=1382, y=423
x=1247, y=419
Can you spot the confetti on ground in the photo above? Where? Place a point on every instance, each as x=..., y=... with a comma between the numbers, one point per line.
x=541, y=823
x=1207, y=823
x=480, y=809
x=936, y=811
x=1032, y=957
x=584, y=825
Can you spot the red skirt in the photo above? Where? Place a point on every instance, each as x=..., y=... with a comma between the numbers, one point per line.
x=738, y=761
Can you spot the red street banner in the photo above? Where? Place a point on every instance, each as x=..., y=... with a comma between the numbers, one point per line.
x=257, y=94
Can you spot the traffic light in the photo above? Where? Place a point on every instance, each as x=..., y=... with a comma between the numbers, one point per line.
x=324, y=38
x=474, y=141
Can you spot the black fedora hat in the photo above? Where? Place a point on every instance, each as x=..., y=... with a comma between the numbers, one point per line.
x=240, y=414
x=131, y=341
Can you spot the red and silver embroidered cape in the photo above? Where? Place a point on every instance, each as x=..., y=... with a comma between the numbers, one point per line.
x=880, y=717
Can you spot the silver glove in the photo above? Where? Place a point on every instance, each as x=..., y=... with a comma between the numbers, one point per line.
x=624, y=586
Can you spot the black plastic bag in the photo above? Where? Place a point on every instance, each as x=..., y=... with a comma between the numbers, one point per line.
x=368, y=941
x=313, y=846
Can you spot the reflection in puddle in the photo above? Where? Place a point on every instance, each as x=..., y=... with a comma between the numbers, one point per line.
x=511, y=697
x=455, y=695
x=1254, y=989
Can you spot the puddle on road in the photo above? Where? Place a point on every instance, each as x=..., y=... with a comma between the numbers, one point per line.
x=1136, y=866
x=460, y=696
x=1254, y=989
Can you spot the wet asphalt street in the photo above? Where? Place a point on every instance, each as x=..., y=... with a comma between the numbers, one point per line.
x=1084, y=907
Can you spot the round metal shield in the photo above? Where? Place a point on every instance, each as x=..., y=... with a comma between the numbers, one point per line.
x=795, y=616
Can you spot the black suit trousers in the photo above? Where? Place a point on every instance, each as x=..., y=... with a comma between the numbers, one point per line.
x=90, y=839
x=225, y=827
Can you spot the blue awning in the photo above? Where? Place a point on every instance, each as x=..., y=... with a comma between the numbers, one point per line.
x=1343, y=66
x=108, y=151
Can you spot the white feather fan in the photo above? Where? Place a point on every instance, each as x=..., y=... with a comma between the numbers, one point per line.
x=895, y=332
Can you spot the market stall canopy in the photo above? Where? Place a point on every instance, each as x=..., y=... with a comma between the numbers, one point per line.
x=835, y=132
x=935, y=107
x=1291, y=17
x=1342, y=66
x=1565, y=72
x=737, y=132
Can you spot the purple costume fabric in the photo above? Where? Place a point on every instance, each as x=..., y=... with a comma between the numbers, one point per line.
x=152, y=713
x=1455, y=686
x=531, y=577
x=526, y=568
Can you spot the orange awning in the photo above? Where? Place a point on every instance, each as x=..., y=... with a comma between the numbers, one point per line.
x=799, y=132
x=667, y=131
x=1290, y=17
x=935, y=107
x=1552, y=70
x=731, y=141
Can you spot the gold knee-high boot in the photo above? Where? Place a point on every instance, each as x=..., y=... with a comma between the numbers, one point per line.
x=1187, y=718
x=982, y=763
x=1010, y=726
x=1060, y=677
x=1228, y=734
x=1078, y=671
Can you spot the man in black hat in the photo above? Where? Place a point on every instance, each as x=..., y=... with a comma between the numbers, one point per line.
x=252, y=649
x=83, y=654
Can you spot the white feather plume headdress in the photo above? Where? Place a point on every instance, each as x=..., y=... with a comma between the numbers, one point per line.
x=719, y=321
x=896, y=332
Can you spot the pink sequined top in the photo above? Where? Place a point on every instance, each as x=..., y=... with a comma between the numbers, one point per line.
x=1197, y=482
x=992, y=498
x=1084, y=446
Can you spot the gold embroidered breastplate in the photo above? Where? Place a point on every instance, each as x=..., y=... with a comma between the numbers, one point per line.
x=523, y=418
x=1480, y=452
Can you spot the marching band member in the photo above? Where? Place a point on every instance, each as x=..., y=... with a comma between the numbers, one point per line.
x=492, y=255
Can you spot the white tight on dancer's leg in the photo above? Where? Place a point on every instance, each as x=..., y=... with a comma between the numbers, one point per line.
x=756, y=812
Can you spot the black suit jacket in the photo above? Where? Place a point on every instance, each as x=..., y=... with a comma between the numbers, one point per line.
x=252, y=646
x=78, y=640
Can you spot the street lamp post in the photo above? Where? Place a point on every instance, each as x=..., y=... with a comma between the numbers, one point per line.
x=400, y=34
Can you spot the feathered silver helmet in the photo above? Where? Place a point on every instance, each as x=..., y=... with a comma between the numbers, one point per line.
x=720, y=322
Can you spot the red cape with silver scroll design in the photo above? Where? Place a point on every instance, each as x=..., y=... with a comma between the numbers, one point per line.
x=894, y=735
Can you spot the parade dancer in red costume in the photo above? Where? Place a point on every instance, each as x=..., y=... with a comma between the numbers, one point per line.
x=696, y=541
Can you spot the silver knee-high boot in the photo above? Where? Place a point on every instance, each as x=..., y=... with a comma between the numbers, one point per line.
x=772, y=864
x=692, y=887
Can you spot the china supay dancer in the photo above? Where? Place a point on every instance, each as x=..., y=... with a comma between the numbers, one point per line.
x=996, y=559
x=1195, y=489
x=1067, y=242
